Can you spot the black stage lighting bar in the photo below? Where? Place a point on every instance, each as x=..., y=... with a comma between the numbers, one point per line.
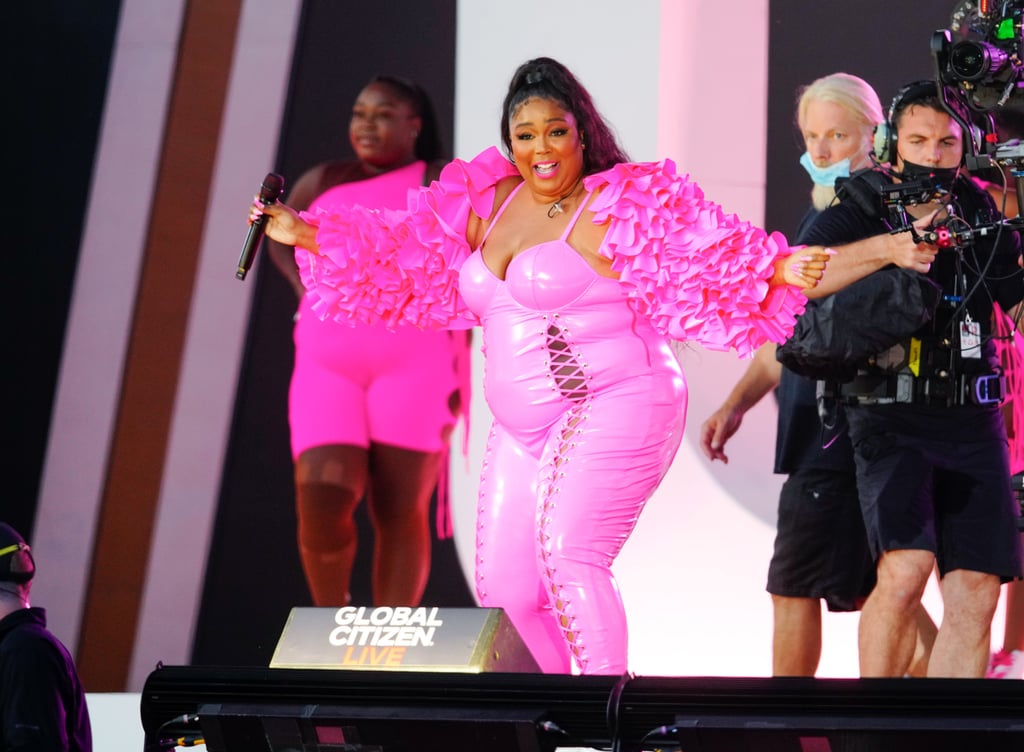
x=604, y=712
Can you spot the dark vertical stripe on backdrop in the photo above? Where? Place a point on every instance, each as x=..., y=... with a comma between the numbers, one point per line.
x=128, y=506
x=253, y=574
x=58, y=53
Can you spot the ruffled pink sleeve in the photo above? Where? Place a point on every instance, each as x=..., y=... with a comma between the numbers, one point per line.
x=402, y=267
x=696, y=272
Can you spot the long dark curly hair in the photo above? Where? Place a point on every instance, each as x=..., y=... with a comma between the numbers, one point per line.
x=545, y=78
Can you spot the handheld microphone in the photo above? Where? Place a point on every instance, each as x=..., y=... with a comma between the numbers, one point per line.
x=270, y=191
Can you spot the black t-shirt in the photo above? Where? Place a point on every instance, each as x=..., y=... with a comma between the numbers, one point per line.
x=42, y=704
x=971, y=277
x=809, y=218
x=801, y=441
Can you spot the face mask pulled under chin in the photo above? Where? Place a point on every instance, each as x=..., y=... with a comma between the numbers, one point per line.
x=825, y=176
x=945, y=176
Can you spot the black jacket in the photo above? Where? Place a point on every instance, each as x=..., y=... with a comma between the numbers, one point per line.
x=42, y=704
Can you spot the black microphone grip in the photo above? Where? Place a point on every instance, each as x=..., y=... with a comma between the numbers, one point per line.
x=270, y=191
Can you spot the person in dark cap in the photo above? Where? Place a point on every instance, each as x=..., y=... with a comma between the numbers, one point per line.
x=42, y=703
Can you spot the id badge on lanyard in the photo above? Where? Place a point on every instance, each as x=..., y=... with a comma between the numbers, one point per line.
x=970, y=338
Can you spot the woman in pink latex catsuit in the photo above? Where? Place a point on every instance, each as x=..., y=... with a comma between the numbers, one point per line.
x=580, y=267
x=370, y=409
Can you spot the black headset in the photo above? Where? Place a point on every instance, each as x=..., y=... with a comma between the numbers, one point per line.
x=885, y=133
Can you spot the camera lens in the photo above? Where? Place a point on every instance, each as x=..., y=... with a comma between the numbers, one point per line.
x=975, y=61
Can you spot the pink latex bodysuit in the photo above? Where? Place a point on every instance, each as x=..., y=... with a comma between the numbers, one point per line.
x=587, y=397
x=588, y=404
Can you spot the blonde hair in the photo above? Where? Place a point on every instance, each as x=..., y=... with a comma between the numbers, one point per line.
x=857, y=97
x=851, y=92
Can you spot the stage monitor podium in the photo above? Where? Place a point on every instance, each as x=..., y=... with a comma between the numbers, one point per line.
x=457, y=640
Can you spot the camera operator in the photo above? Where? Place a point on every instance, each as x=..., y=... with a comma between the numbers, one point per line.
x=820, y=553
x=924, y=415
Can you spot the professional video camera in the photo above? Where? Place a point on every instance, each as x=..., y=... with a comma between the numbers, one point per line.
x=981, y=53
x=980, y=66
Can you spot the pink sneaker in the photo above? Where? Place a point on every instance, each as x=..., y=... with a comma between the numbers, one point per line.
x=1006, y=665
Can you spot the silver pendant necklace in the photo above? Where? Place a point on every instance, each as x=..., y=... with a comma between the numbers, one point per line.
x=556, y=208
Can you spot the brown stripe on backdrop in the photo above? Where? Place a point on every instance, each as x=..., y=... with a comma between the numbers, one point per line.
x=153, y=362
